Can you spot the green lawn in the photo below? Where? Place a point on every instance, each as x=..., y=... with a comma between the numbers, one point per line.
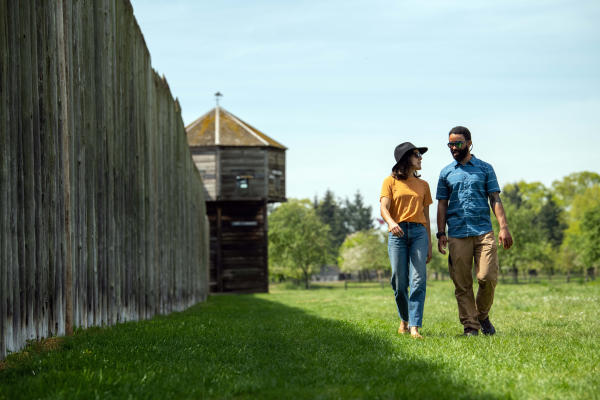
x=330, y=343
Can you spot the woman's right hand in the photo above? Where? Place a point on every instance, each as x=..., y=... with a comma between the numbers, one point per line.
x=396, y=230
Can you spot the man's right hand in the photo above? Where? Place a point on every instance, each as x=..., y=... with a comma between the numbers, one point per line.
x=442, y=243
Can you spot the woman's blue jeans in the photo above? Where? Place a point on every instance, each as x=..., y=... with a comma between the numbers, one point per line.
x=408, y=257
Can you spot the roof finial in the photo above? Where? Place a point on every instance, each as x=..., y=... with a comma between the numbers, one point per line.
x=217, y=120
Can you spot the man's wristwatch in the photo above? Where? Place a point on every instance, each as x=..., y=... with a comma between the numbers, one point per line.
x=440, y=234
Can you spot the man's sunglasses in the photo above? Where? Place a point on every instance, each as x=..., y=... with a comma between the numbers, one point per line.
x=458, y=144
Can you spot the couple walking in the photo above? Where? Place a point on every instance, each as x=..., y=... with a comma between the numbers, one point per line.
x=464, y=188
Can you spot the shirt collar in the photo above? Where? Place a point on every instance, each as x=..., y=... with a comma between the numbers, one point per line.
x=470, y=162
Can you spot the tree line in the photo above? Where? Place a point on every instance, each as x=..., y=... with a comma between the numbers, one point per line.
x=555, y=228
x=555, y=231
x=305, y=235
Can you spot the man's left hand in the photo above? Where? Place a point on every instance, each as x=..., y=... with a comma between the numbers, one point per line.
x=429, y=255
x=504, y=238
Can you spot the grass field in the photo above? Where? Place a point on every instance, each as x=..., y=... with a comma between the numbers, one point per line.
x=329, y=343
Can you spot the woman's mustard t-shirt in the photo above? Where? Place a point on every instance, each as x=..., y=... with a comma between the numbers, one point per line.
x=408, y=197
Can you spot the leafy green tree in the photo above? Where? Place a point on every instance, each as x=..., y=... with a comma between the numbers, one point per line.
x=579, y=246
x=532, y=250
x=364, y=251
x=574, y=185
x=299, y=242
x=590, y=230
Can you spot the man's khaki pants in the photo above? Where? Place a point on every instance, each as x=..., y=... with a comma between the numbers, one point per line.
x=483, y=252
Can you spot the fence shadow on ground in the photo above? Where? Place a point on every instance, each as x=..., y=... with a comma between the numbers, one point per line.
x=236, y=347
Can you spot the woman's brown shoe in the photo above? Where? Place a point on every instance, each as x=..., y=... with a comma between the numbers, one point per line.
x=414, y=333
x=403, y=328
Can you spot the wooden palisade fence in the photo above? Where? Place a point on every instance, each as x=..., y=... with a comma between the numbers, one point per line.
x=102, y=215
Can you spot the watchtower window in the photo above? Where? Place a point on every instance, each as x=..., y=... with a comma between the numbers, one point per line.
x=275, y=179
x=242, y=182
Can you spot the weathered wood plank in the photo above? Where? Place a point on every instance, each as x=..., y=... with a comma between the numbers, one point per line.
x=20, y=306
x=4, y=179
x=52, y=167
x=36, y=28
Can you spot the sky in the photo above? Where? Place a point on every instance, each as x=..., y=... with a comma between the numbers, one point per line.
x=341, y=83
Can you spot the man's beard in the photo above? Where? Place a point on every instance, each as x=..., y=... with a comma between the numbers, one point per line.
x=462, y=153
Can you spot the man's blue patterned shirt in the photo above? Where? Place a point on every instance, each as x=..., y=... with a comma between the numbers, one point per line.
x=466, y=187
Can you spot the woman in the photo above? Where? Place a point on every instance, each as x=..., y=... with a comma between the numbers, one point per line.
x=405, y=201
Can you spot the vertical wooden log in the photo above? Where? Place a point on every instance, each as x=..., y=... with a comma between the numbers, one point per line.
x=36, y=26
x=162, y=279
x=206, y=258
x=53, y=171
x=107, y=286
x=29, y=154
x=101, y=81
x=4, y=180
x=117, y=277
x=62, y=24
x=120, y=112
x=19, y=284
x=44, y=44
x=88, y=133
x=152, y=203
x=11, y=138
x=126, y=149
x=219, y=251
x=140, y=70
x=146, y=259
x=74, y=57
x=164, y=260
x=168, y=216
x=265, y=249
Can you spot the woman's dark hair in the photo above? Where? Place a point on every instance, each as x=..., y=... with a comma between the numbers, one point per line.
x=401, y=169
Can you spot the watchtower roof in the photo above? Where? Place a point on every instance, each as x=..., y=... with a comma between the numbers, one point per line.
x=219, y=127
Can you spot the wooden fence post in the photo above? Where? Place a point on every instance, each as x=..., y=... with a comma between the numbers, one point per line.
x=61, y=24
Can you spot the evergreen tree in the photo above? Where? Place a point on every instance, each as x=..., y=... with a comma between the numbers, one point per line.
x=357, y=216
x=551, y=222
x=330, y=213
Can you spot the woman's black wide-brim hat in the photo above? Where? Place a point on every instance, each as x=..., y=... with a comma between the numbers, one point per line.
x=404, y=148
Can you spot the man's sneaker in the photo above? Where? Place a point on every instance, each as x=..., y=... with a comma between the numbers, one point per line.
x=486, y=327
x=471, y=332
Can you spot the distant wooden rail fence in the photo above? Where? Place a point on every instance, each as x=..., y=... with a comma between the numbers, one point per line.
x=102, y=215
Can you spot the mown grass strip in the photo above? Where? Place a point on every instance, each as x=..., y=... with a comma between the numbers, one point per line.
x=329, y=343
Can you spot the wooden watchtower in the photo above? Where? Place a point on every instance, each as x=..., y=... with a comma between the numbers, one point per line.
x=243, y=170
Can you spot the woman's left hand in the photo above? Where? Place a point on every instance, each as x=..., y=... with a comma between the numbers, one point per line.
x=429, y=255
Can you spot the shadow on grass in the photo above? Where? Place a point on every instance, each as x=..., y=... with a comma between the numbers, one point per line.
x=235, y=347
x=319, y=285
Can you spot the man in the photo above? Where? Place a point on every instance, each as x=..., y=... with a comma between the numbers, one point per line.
x=463, y=191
